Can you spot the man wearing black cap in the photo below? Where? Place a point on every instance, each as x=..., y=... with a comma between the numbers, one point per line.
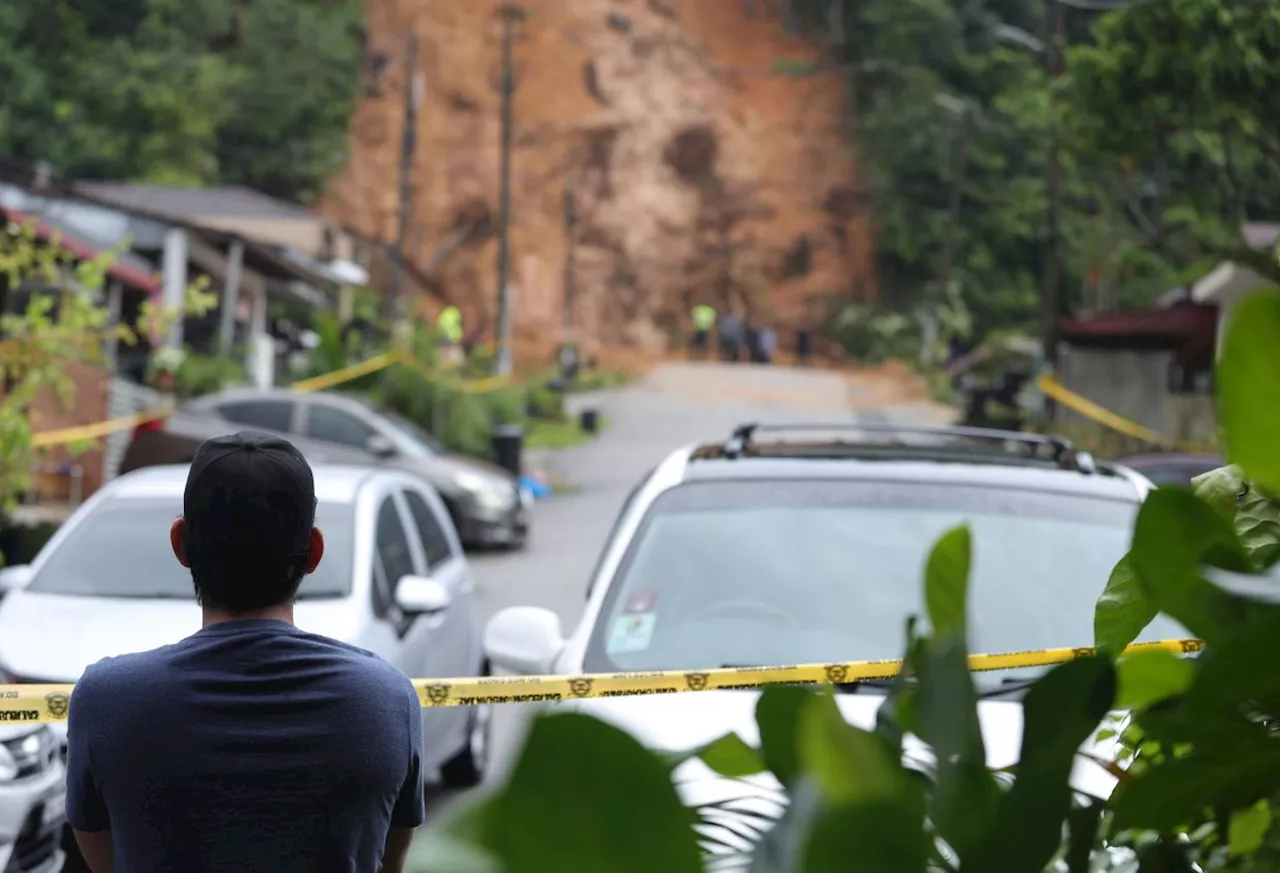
x=250, y=745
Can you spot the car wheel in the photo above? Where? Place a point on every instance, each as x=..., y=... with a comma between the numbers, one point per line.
x=467, y=768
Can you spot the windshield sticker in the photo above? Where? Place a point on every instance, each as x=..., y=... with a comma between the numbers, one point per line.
x=631, y=633
x=642, y=600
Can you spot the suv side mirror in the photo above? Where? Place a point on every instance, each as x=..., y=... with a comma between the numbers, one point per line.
x=15, y=578
x=379, y=446
x=523, y=640
x=419, y=595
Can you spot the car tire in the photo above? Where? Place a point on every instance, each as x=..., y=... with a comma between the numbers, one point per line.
x=467, y=768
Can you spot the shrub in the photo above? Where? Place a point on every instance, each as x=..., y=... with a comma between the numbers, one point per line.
x=207, y=374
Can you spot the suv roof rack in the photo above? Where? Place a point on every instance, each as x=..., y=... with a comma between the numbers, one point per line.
x=1060, y=450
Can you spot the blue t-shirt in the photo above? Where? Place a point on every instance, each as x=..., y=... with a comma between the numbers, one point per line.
x=249, y=747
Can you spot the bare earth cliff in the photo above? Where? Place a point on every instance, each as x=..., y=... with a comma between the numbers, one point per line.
x=695, y=170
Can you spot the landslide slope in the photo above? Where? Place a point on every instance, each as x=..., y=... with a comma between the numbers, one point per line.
x=697, y=170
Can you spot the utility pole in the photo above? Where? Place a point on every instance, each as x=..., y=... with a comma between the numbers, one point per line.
x=412, y=96
x=955, y=202
x=510, y=14
x=570, y=237
x=1052, y=294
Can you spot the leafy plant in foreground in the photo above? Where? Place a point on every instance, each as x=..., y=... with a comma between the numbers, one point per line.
x=1200, y=737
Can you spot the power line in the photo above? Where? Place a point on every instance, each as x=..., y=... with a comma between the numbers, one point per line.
x=510, y=14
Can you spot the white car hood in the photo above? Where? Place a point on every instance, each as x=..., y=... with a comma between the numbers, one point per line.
x=679, y=722
x=53, y=638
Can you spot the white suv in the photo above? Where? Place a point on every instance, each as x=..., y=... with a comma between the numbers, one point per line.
x=33, y=805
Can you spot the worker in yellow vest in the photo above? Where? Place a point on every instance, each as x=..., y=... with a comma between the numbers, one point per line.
x=449, y=337
x=704, y=321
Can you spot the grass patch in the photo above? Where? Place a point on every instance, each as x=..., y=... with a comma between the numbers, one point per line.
x=600, y=380
x=544, y=434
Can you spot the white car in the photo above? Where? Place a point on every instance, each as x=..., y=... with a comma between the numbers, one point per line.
x=393, y=581
x=33, y=800
x=760, y=552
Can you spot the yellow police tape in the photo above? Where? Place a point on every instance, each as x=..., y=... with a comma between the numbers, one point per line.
x=1051, y=387
x=81, y=433
x=49, y=703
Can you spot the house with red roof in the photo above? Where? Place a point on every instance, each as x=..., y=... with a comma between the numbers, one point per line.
x=1153, y=366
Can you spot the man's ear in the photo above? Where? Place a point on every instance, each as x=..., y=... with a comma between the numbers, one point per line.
x=315, y=549
x=177, y=539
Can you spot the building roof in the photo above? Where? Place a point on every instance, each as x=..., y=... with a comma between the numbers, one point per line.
x=191, y=203
x=1179, y=325
x=127, y=268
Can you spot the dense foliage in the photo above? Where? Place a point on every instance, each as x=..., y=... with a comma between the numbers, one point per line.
x=1197, y=763
x=54, y=314
x=1163, y=117
x=221, y=91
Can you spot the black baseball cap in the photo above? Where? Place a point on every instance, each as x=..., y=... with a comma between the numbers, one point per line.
x=250, y=499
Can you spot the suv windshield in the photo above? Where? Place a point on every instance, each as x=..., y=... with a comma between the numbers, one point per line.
x=122, y=550
x=755, y=573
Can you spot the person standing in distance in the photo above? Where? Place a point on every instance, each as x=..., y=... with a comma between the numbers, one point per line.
x=251, y=746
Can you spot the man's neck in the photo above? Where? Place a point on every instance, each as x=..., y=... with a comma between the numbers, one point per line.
x=278, y=612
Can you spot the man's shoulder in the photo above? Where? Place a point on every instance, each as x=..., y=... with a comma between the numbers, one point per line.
x=122, y=668
x=363, y=663
x=345, y=660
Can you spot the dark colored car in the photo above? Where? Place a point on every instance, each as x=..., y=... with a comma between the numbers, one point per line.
x=486, y=502
x=1172, y=468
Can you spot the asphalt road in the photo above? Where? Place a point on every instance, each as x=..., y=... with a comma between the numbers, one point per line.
x=674, y=405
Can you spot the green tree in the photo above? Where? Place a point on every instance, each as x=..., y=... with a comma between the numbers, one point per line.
x=1172, y=104
x=255, y=93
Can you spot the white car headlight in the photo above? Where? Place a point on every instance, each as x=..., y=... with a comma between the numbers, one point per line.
x=489, y=493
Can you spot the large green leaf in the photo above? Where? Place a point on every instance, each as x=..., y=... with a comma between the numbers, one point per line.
x=872, y=809
x=1147, y=677
x=1257, y=523
x=1248, y=828
x=1235, y=756
x=778, y=717
x=1254, y=514
x=585, y=795
x=897, y=717
x=945, y=704
x=1240, y=674
x=1220, y=488
x=847, y=765
x=781, y=850
x=1174, y=536
x=1248, y=389
x=886, y=837
x=455, y=844
x=1061, y=711
x=731, y=756
x=1174, y=793
x=946, y=581
x=443, y=853
x=1122, y=611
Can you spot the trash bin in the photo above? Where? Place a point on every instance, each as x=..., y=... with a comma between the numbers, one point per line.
x=589, y=420
x=508, y=444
